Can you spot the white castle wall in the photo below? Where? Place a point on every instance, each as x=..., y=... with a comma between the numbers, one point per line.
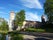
x=12, y=15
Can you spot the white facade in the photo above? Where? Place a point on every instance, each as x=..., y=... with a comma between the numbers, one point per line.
x=12, y=15
x=24, y=24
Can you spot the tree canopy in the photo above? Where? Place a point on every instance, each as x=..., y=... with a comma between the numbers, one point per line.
x=4, y=24
x=48, y=6
x=19, y=18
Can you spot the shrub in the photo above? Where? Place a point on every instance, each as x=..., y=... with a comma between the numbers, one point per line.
x=16, y=36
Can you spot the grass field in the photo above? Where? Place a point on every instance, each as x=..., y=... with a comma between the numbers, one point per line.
x=35, y=30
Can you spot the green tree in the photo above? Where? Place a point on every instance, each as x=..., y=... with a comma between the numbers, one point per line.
x=48, y=6
x=19, y=18
x=4, y=24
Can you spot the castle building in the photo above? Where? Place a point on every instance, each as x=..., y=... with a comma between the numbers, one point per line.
x=35, y=24
x=12, y=15
x=26, y=23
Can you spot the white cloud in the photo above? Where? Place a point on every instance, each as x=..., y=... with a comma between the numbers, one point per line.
x=32, y=4
x=32, y=16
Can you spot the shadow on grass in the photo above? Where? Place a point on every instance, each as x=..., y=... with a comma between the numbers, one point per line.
x=41, y=39
x=37, y=39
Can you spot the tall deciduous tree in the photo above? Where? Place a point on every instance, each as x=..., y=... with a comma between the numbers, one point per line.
x=4, y=24
x=19, y=18
x=48, y=6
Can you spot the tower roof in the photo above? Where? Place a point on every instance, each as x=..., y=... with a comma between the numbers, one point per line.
x=12, y=12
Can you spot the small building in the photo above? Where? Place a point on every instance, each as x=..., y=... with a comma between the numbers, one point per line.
x=35, y=24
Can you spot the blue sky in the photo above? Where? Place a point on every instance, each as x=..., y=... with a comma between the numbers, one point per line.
x=33, y=8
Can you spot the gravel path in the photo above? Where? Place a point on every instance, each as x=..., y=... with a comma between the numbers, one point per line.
x=30, y=37
x=37, y=36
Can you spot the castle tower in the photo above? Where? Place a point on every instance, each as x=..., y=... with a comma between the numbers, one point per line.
x=43, y=18
x=12, y=15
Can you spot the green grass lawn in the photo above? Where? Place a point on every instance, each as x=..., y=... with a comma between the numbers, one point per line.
x=14, y=35
x=34, y=30
x=3, y=32
x=49, y=30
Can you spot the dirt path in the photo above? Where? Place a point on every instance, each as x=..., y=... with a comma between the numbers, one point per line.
x=36, y=35
x=30, y=37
